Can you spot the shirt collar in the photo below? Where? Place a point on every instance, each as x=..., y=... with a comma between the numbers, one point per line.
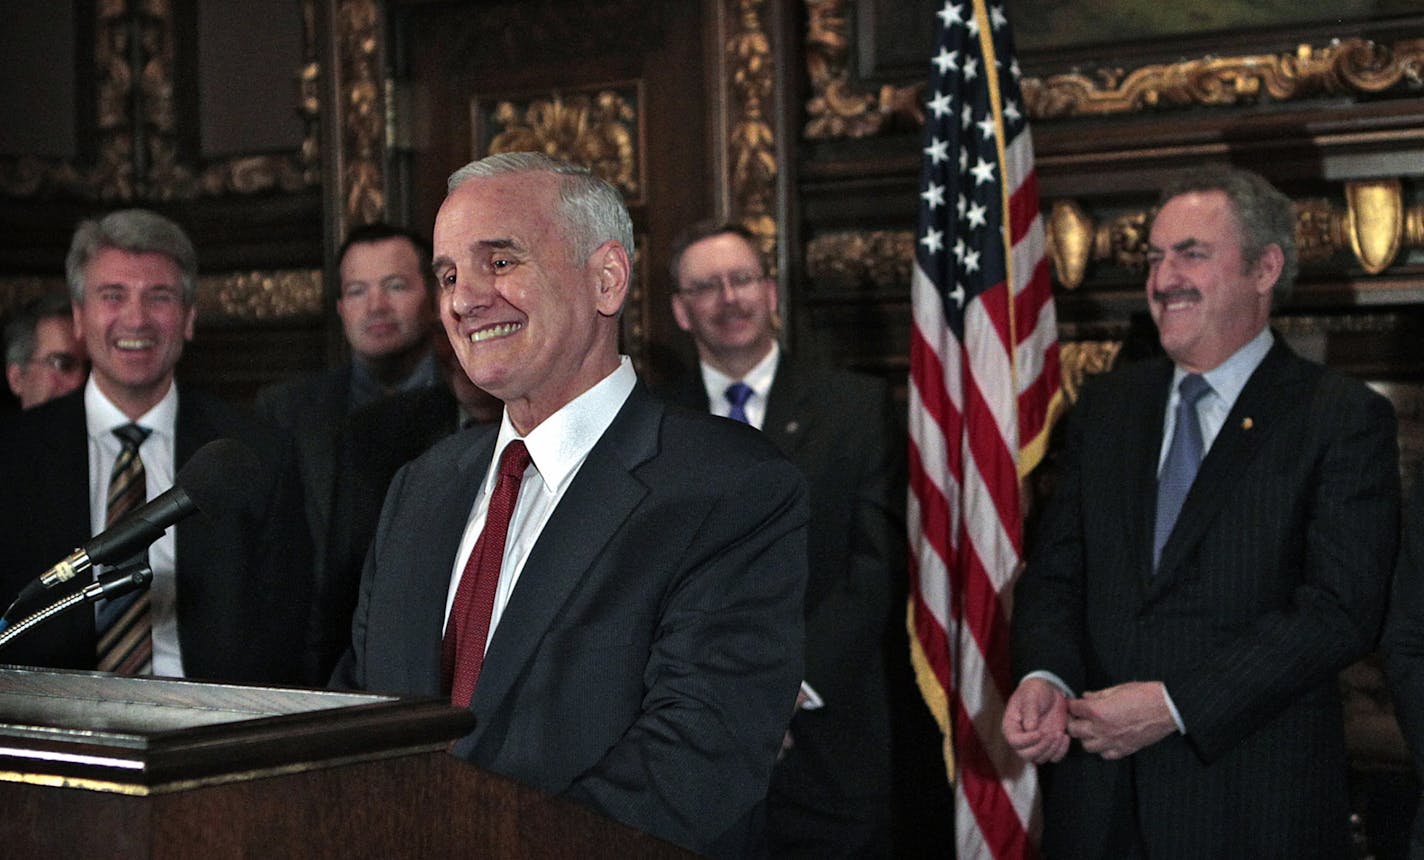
x=1230, y=377
x=562, y=441
x=759, y=378
x=101, y=415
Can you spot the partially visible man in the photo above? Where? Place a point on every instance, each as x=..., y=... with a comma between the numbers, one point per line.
x=231, y=587
x=1403, y=646
x=618, y=600
x=1217, y=550
x=376, y=441
x=43, y=358
x=831, y=792
x=387, y=311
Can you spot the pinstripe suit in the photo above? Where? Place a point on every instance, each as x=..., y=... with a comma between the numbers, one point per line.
x=1272, y=581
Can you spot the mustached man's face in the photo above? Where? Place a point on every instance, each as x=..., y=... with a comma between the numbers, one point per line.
x=1206, y=299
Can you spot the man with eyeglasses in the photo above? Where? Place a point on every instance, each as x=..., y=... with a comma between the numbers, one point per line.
x=830, y=793
x=43, y=358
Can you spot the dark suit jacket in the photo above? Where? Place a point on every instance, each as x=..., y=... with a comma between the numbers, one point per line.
x=377, y=440
x=312, y=408
x=840, y=430
x=1272, y=581
x=648, y=659
x=243, y=579
x=1404, y=642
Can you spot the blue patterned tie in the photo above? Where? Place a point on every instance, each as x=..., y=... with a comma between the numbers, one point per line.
x=738, y=393
x=1183, y=460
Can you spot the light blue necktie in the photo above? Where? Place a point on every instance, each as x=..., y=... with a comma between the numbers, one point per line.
x=738, y=393
x=1183, y=460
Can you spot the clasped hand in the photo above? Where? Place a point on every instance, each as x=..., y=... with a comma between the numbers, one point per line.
x=1040, y=721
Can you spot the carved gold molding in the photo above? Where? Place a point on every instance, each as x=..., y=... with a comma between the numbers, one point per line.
x=360, y=112
x=135, y=114
x=878, y=258
x=237, y=296
x=835, y=109
x=253, y=296
x=600, y=129
x=751, y=141
x=1374, y=225
x=1347, y=66
x=1079, y=359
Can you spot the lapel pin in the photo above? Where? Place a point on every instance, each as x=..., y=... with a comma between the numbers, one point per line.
x=1247, y=423
x=793, y=426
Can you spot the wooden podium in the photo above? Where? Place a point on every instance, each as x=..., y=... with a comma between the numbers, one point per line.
x=105, y=766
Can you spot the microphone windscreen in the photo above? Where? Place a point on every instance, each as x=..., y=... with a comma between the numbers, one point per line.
x=215, y=470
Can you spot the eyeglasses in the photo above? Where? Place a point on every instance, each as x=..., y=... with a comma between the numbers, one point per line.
x=59, y=362
x=738, y=280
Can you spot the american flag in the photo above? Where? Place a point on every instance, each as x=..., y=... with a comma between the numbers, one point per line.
x=983, y=393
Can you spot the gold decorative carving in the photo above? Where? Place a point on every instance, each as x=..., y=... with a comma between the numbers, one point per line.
x=1069, y=242
x=16, y=289
x=1079, y=359
x=135, y=113
x=835, y=109
x=361, y=114
x=1375, y=222
x=1346, y=66
x=251, y=296
x=600, y=129
x=751, y=141
x=879, y=258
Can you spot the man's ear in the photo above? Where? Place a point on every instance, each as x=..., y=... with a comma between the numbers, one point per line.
x=1268, y=268
x=612, y=273
x=12, y=375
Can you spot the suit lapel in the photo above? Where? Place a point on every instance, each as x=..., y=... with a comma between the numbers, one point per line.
x=602, y=495
x=1143, y=469
x=430, y=569
x=787, y=416
x=1270, y=393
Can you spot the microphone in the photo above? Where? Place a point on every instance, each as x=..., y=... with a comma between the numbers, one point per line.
x=199, y=486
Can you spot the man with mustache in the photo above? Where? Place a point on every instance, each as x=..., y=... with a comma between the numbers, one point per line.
x=1217, y=549
x=830, y=792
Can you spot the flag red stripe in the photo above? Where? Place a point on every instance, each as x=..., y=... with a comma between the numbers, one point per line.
x=980, y=781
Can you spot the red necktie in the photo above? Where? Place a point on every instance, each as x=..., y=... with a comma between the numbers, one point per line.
x=463, y=651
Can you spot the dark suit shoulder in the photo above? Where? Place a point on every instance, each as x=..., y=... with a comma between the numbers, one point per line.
x=286, y=401
x=712, y=443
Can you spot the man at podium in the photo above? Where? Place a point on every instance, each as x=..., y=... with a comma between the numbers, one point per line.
x=612, y=585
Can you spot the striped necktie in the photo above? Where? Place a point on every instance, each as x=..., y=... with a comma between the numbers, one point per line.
x=124, y=626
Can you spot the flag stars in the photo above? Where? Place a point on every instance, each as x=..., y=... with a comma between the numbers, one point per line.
x=933, y=196
x=962, y=205
x=946, y=60
x=933, y=240
x=977, y=215
x=938, y=151
x=951, y=14
x=996, y=17
x=1015, y=70
x=986, y=127
x=958, y=295
x=1011, y=111
x=966, y=117
x=960, y=249
x=972, y=25
x=963, y=159
x=971, y=262
x=939, y=105
x=971, y=69
x=983, y=172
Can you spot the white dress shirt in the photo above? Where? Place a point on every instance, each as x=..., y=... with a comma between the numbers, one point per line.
x=759, y=379
x=157, y=453
x=557, y=448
